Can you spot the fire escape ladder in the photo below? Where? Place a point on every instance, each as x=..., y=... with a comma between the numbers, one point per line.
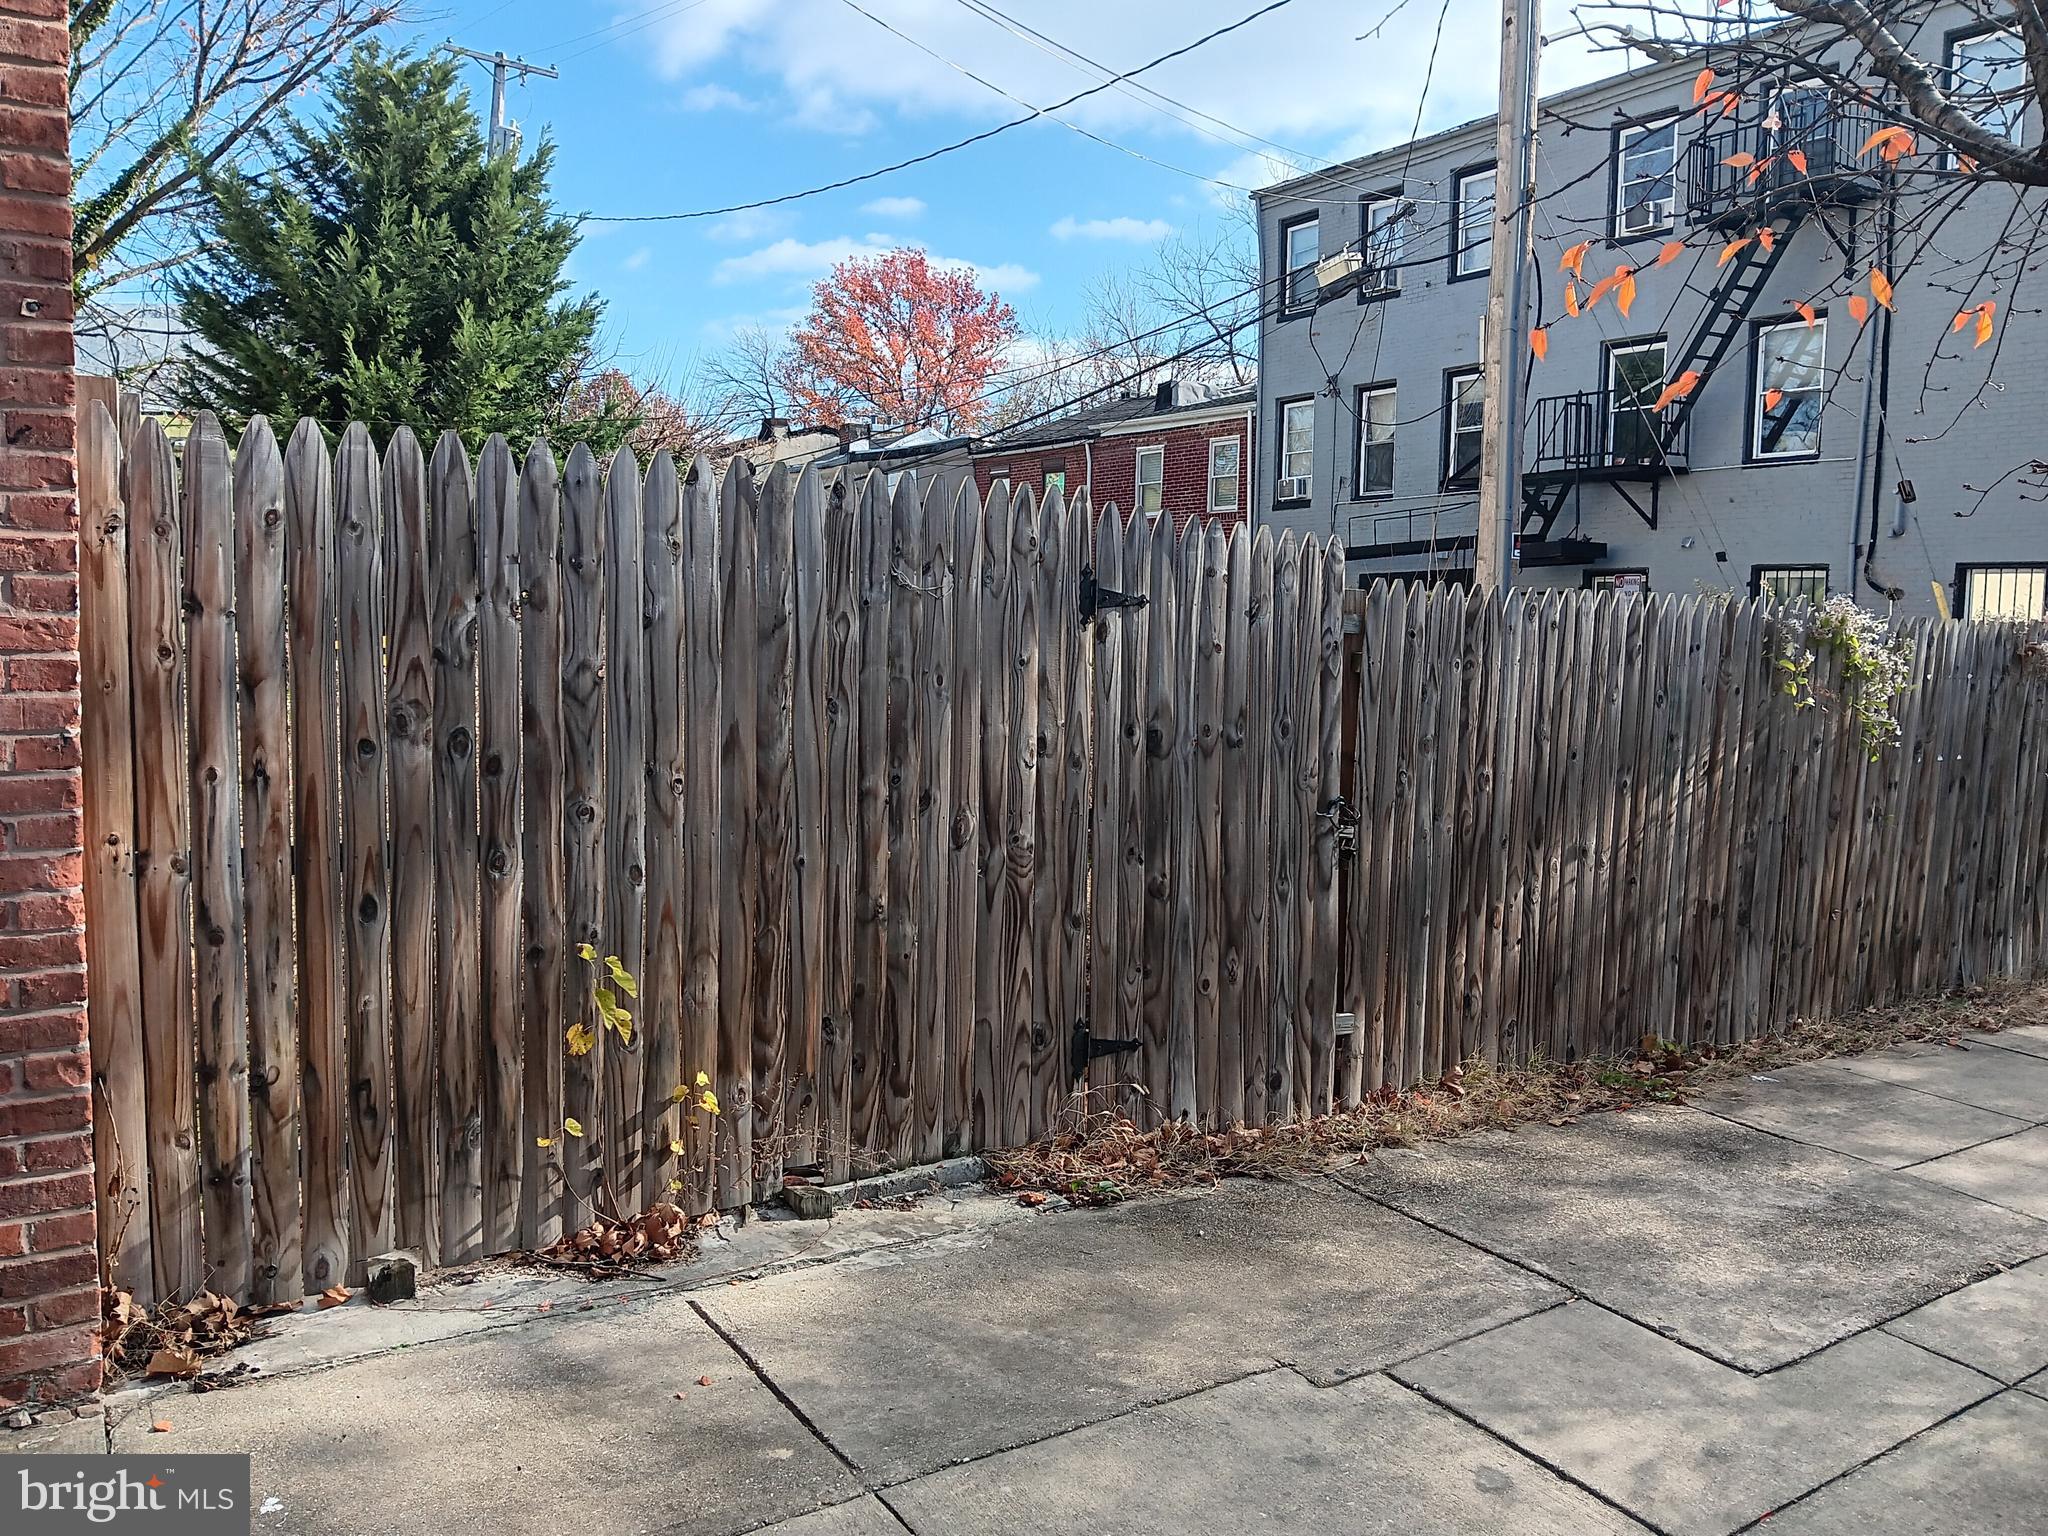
x=1740, y=285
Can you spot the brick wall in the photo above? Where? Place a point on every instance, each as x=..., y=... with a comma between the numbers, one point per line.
x=49, y=1296
x=1115, y=467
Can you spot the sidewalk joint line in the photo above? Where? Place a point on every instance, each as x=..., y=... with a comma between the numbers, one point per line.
x=776, y=1391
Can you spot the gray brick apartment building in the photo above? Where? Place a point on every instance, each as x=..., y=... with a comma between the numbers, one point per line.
x=1829, y=456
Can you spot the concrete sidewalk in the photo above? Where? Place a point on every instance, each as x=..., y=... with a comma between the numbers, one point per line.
x=1816, y=1298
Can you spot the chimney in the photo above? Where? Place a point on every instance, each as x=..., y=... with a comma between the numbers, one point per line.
x=1166, y=396
x=856, y=432
x=774, y=428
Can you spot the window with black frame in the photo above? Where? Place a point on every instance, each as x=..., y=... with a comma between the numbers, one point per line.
x=1781, y=585
x=1635, y=378
x=1643, y=180
x=1987, y=78
x=1790, y=386
x=1465, y=405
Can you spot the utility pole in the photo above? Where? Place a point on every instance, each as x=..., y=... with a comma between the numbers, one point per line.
x=501, y=136
x=1504, y=340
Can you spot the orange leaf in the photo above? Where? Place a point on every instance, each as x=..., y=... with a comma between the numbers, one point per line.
x=1571, y=298
x=1966, y=165
x=1894, y=148
x=1702, y=83
x=1806, y=313
x=1985, y=311
x=1730, y=100
x=1767, y=237
x=1672, y=250
x=1740, y=159
x=1758, y=169
x=1539, y=343
x=1859, y=306
x=1731, y=250
x=1797, y=157
x=1625, y=292
x=160, y=1427
x=1880, y=288
x=1574, y=258
x=1605, y=286
x=1962, y=319
x=1677, y=389
x=1772, y=397
x=1882, y=136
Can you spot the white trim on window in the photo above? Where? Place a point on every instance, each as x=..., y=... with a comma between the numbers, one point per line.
x=1375, y=468
x=1987, y=78
x=1383, y=236
x=2004, y=591
x=1465, y=400
x=1151, y=505
x=1472, y=199
x=1645, y=177
x=1231, y=475
x=1295, y=471
x=1791, y=359
x=1301, y=247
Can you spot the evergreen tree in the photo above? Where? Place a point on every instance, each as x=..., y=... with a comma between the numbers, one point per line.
x=388, y=273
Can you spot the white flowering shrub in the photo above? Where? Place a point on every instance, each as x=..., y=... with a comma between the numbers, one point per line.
x=1877, y=665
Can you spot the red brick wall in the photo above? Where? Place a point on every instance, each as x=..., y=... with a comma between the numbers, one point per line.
x=49, y=1294
x=1115, y=467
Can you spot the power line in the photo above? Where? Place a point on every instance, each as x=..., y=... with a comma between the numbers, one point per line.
x=625, y=26
x=945, y=149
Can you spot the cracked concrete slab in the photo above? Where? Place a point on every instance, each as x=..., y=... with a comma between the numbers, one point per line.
x=857, y=1517
x=1690, y=1446
x=85, y=1436
x=503, y=1293
x=1270, y=1452
x=1755, y=1249
x=912, y=1359
x=1825, y=1105
x=2028, y=1039
x=1980, y=1474
x=2005, y=1081
x=537, y=1429
x=2012, y=1172
x=1998, y=1325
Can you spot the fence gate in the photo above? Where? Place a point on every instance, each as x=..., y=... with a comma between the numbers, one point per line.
x=891, y=805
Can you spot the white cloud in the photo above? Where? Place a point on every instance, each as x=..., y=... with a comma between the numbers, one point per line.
x=751, y=224
x=1300, y=77
x=637, y=258
x=713, y=97
x=808, y=260
x=895, y=207
x=1138, y=231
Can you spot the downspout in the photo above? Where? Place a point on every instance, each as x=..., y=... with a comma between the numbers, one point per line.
x=1877, y=380
x=1088, y=470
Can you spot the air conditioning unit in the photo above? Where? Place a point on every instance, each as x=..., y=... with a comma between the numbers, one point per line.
x=1294, y=488
x=1650, y=213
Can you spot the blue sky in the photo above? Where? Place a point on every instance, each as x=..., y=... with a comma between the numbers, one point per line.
x=702, y=103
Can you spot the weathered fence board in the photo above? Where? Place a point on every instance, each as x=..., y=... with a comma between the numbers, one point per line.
x=883, y=826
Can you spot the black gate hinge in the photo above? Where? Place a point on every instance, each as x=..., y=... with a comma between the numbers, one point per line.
x=1098, y=599
x=1086, y=1048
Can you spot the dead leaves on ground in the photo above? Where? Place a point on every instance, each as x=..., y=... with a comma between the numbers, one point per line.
x=174, y=1341
x=613, y=1245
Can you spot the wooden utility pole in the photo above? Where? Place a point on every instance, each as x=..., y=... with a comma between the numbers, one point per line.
x=501, y=65
x=1504, y=338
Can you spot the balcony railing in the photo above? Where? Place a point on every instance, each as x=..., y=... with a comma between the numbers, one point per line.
x=1828, y=133
x=1593, y=432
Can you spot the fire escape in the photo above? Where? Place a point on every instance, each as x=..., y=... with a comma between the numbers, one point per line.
x=1800, y=158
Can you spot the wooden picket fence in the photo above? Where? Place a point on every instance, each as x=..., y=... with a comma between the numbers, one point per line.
x=886, y=833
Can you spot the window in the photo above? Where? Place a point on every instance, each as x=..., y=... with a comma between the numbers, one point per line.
x=1987, y=77
x=1472, y=231
x=1631, y=582
x=1056, y=480
x=1375, y=440
x=1297, y=449
x=1224, y=457
x=1301, y=247
x=2003, y=591
x=1635, y=378
x=1151, y=480
x=1788, y=388
x=1780, y=584
x=1465, y=415
x=999, y=474
x=1384, y=225
x=1643, y=157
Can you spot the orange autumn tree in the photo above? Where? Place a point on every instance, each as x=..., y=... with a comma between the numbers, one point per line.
x=899, y=338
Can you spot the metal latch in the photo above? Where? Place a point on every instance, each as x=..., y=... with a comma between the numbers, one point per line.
x=1085, y=1048
x=1098, y=599
x=1345, y=815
